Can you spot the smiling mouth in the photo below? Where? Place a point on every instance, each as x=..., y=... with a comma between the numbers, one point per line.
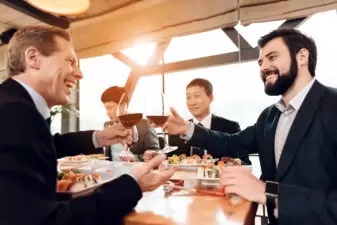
x=269, y=74
x=70, y=84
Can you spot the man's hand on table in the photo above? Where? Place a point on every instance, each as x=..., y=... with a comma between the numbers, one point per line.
x=240, y=181
x=150, y=179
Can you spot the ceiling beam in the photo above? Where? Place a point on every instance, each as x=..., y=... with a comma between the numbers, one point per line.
x=29, y=10
x=294, y=23
x=234, y=35
x=215, y=60
x=126, y=60
x=133, y=77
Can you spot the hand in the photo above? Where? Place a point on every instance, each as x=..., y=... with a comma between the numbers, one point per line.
x=112, y=135
x=149, y=154
x=147, y=178
x=175, y=124
x=239, y=180
x=128, y=158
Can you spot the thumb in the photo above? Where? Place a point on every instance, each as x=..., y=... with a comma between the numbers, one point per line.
x=174, y=112
x=155, y=162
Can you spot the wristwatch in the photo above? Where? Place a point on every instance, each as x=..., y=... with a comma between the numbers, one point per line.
x=272, y=191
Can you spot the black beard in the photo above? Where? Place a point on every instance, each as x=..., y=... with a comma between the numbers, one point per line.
x=283, y=82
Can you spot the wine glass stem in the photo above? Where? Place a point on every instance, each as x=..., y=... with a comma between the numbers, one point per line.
x=165, y=140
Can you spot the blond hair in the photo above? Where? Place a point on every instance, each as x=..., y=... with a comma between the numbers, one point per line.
x=40, y=37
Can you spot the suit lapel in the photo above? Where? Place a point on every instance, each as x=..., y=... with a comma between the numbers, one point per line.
x=268, y=154
x=299, y=128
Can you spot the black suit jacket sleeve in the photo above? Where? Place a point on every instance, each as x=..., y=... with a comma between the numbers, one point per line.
x=28, y=178
x=232, y=145
x=235, y=128
x=75, y=143
x=237, y=145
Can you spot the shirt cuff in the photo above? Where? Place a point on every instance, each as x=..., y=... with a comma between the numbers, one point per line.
x=190, y=132
x=94, y=140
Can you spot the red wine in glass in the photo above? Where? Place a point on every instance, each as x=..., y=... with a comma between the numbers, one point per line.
x=157, y=120
x=131, y=119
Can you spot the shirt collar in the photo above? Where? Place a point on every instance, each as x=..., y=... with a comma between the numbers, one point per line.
x=38, y=100
x=206, y=122
x=296, y=102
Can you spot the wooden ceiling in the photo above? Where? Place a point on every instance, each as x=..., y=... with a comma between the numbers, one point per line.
x=10, y=18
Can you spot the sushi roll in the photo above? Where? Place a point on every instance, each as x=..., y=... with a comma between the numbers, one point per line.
x=184, y=161
x=97, y=178
x=207, y=158
x=63, y=185
x=182, y=157
x=211, y=172
x=173, y=159
x=201, y=171
x=77, y=186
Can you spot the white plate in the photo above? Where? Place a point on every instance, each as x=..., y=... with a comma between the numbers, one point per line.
x=187, y=165
x=65, y=160
x=207, y=179
x=106, y=177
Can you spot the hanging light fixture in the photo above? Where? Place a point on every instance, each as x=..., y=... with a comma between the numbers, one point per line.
x=61, y=7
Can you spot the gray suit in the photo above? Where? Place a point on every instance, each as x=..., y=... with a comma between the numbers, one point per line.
x=147, y=139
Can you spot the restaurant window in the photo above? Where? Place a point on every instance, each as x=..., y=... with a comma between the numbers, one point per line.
x=99, y=73
x=198, y=45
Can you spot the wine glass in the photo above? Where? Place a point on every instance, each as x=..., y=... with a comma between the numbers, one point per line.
x=129, y=119
x=157, y=112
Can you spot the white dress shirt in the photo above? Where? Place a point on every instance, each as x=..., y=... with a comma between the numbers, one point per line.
x=206, y=122
x=287, y=118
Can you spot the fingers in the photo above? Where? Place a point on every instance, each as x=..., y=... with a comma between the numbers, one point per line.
x=149, y=154
x=155, y=162
x=174, y=112
x=231, y=190
x=140, y=170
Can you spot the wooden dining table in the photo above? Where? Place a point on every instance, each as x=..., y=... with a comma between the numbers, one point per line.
x=185, y=208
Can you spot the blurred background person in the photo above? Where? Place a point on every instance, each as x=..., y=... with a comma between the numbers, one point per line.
x=146, y=135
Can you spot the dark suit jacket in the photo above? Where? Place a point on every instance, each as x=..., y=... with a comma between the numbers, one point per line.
x=28, y=156
x=217, y=124
x=307, y=169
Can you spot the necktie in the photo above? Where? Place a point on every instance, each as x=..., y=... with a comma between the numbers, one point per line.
x=200, y=124
x=48, y=120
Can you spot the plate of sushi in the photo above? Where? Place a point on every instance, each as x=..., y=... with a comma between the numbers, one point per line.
x=81, y=158
x=75, y=183
x=211, y=171
x=193, y=161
